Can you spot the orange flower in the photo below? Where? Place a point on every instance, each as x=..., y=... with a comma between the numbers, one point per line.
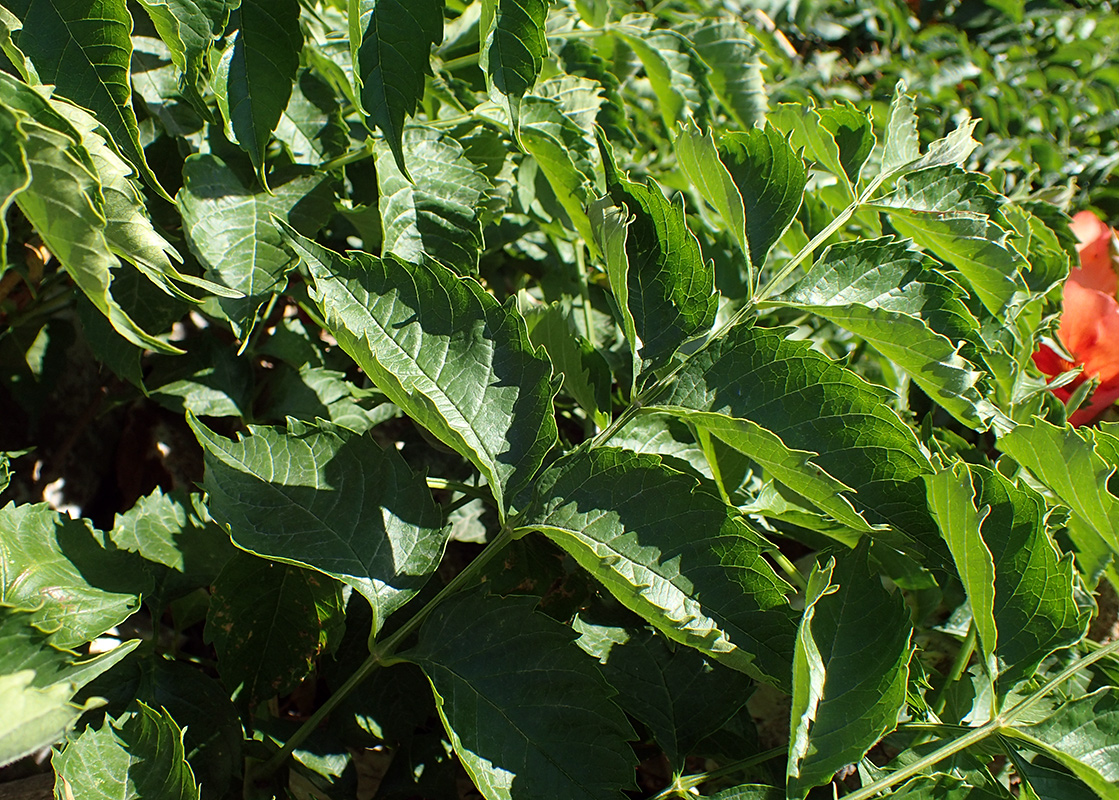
x=1089, y=327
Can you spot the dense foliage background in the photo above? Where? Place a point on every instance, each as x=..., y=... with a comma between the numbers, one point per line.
x=420, y=398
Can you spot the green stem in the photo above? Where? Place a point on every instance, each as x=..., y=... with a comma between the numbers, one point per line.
x=382, y=654
x=963, y=656
x=683, y=783
x=352, y=157
x=979, y=734
x=469, y=60
x=585, y=292
x=480, y=492
x=789, y=569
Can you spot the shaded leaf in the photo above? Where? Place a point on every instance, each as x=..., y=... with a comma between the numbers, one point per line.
x=14, y=174
x=513, y=47
x=676, y=73
x=447, y=353
x=527, y=712
x=188, y=28
x=258, y=72
x=229, y=228
x=390, y=45
x=850, y=670
x=619, y=514
x=269, y=623
x=319, y=496
x=673, y=690
x=854, y=136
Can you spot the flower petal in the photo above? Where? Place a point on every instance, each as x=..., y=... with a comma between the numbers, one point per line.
x=1096, y=270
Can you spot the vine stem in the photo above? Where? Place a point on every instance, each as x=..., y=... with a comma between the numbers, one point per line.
x=979, y=734
x=382, y=654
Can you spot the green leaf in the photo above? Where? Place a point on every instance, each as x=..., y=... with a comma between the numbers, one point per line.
x=65, y=204
x=798, y=395
x=611, y=224
x=58, y=566
x=259, y=71
x=943, y=189
x=770, y=177
x=579, y=58
x=902, y=145
x=1035, y=605
x=312, y=127
x=14, y=174
x=447, y=353
x=893, y=297
x=807, y=133
x=734, y=58
x=951, y=498
x=586, y=375
x=564, y=155
x=1080, y=736
x=513, y=48
x=977, y=247
x=37, y=682
x=712, y=590
x=188, y=28
x=670, y=290
x=26, y=646
x=269, y=623
x=700, y=161
x=854, y=136
x=677, y=75
x=390, y=45
x=136, y=756
x=527, y=712
x=674, y=691
x=83, y=48
x=33, y=717
x=319, y=496
x=436, y=213
x=1072, y=464
x=229, y=228
x=212, y=730
x=850, y=670
x=1020, y=587
x=750, y=792
x=176, y=531
x=948, y=787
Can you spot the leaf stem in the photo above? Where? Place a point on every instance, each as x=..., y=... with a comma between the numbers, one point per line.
x=979, y=734
x=381, y=654
x=959, y=664
x=469, y=60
